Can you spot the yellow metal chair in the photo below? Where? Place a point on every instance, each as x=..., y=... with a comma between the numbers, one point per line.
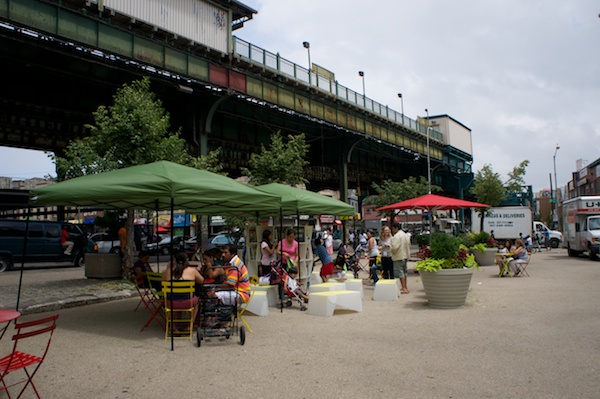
x=241, y=309
x=179, y=291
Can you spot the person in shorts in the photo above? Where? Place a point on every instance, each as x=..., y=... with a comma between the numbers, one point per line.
x=325, y=258
x=400, y=254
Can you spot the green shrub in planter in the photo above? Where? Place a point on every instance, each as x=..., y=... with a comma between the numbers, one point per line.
x=422, y=239
x=447, y=252
x=444, y=245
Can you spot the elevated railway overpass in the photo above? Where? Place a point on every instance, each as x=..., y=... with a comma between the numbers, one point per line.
x=62, y=59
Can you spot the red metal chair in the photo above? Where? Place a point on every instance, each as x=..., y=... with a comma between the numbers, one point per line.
x=28, y=362
x=143, y=290
x=154, y=303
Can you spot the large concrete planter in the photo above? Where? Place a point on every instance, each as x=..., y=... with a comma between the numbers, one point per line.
x=487, y=258
x=103, y=266
x=446, y=288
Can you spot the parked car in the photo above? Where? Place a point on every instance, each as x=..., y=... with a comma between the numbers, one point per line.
x=104, y=243
x=190, y=243
x=219, y=240
x=164, y=245
x=43, y=243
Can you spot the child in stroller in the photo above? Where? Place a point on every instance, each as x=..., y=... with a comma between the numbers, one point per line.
x=294, y=289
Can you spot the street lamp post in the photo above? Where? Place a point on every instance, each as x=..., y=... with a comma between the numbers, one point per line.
x=555, y=184
x=362, y=75
x=428, y=160
x=402, y=105
x=307, y=47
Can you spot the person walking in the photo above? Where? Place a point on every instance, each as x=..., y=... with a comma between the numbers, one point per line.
x=400, y=253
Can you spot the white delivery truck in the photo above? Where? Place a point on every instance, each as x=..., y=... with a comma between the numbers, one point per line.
x=581, y=225
x=512, y=222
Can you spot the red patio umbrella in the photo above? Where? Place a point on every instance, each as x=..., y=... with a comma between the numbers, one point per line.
x=433, y=202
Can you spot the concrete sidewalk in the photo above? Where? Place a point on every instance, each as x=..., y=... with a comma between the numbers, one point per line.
x=521, y=337
x=55, y=288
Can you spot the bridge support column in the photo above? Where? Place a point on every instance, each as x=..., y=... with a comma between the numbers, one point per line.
x=208, y=125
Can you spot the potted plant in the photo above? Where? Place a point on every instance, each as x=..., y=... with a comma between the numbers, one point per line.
x=483, y=246
x=446, y=271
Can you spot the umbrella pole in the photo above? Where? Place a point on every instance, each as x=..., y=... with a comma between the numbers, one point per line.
x=155, y=235
x=23, y=258
x=281, y=257
x=171, y=276
x=297, y=227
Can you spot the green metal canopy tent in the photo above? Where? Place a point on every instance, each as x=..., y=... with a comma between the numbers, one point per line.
x=160, y=185
x=298, y=201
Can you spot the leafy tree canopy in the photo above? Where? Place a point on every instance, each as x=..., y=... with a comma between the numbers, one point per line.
x=487, y=187
x=131, y=131
x=391, y=192
x=516, y=178
x=283, y=162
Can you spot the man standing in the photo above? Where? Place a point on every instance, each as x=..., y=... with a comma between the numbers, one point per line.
x=400, y=253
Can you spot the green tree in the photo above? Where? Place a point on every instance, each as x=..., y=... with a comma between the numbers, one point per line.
x=488, y=189
x=283, y=162
x=132, y=131
x=516, y=178
x=210, y=162
x=390, y=192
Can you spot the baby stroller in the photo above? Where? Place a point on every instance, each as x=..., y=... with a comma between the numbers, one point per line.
x=279, y=275
x=216, y=319
x=345, y=262
x=290, y=296
x=353, y=262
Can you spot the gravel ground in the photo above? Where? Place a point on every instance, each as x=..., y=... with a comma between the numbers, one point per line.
x=515, y=338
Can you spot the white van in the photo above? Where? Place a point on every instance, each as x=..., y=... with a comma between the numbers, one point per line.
x=540, y=229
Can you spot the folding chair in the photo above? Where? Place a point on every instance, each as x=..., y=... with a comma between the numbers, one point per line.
x=181, y=290
x=241, y=309
x=143, y=290
x=28, y=362
x=521, y=269
x=154, y=299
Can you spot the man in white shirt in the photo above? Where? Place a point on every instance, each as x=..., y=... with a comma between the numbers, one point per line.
x=400, y=253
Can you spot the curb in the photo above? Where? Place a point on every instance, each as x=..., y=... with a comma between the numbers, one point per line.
x=74, y=302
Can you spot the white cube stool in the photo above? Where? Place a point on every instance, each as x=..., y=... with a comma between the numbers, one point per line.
x=326, y=302
x=258, y=304
x=315, y=278
x=270, y=290
x=328, y=286
x=355, y=284
x=386, y=290
x=321, y=303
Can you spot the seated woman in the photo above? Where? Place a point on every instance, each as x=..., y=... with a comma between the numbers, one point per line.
x=519, y=255
x=501, y=257
x=212, y=273
x=181, y=271
x=142, y=265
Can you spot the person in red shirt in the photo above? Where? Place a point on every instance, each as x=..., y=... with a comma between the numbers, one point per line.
x=65, y=242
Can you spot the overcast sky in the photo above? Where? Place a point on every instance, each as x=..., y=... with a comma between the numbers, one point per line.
x=522, y=75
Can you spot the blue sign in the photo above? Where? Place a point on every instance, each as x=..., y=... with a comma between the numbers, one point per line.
x=181, y=220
